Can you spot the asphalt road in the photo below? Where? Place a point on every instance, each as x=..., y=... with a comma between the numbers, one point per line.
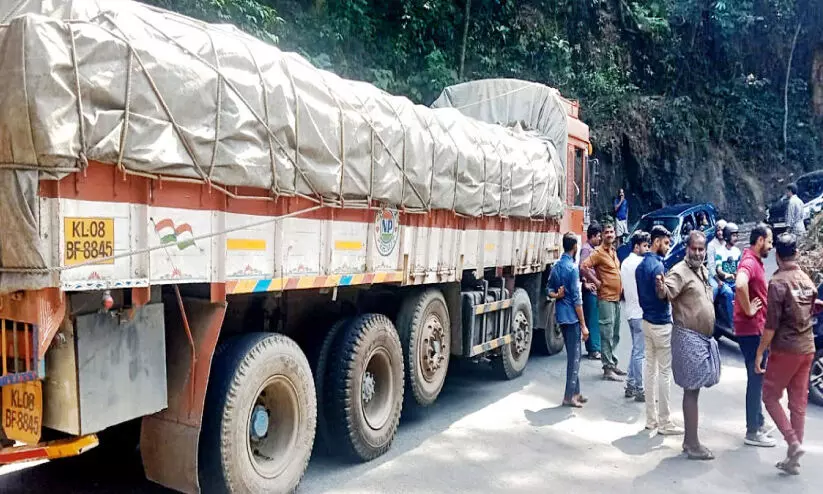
x=512, y=436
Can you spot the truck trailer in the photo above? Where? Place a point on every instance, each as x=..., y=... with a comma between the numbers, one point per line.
x=246, y=258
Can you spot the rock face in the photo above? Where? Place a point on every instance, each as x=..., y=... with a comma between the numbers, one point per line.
x=681, y=164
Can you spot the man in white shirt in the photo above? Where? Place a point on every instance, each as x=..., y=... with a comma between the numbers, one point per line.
x=726, y=261
x=640, y=246
x=794, y=212
x=711, y=253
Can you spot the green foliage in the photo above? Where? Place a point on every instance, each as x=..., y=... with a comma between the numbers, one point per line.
x=711, y=71
x=253, y=16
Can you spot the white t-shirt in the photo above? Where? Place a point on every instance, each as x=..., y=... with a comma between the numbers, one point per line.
x=727, y=259
x=627, y=272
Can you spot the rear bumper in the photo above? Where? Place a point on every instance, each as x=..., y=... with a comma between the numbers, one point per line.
x=51, y=450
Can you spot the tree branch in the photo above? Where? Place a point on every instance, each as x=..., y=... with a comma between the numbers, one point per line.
x=786, y=95
x=466, y=20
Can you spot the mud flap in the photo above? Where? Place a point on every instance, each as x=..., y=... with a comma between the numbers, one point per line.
x=169, y=440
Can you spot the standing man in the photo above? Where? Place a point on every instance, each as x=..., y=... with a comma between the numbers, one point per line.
x=749, y=321
x=603, y=269
x=794, y=212
x=594, y=236
x=621, y=215
x=695, y=356
x=640, y=246
x=564, y=286
x=789, y=334
x=726, y=260
x=711, y=258
x=657, y=329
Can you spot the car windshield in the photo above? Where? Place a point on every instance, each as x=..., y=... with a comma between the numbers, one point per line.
x=672, y=223
x=809, y=188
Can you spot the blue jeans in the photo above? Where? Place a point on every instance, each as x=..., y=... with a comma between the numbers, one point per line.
x=635, y=378
x=725, y=293
x=571, y=333
x=754, y=384
x=592, y=321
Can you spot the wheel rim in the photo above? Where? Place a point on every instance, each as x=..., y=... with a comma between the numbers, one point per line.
x=377, y=389
x=816, y=376
x=273, y=426
x=432, y=351
x=521, y=335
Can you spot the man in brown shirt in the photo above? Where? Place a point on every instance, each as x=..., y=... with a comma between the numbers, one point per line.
x=695, y=355
x=789, y=338
x=602, y=268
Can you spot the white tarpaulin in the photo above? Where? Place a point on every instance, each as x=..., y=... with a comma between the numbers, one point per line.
x=157, y=93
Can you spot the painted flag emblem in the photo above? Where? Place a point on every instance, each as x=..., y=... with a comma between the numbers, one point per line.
x=170, y=234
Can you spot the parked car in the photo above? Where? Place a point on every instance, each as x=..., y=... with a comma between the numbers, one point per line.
x=809, y=190
x=679, y=220
x=816, y=375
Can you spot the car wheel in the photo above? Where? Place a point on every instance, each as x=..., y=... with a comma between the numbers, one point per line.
x=816, y=379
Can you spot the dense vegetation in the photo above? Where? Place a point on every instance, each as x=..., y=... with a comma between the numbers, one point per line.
x=687, y=99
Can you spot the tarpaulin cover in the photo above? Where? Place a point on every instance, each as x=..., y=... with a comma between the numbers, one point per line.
x=157, y=93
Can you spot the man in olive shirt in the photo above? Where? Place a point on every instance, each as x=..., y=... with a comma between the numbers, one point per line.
x=695, y=356
x=602, y=268
x=790, y=338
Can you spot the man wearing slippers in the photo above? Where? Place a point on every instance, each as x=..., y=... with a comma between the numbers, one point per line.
x=790, y=340
x=564, y=287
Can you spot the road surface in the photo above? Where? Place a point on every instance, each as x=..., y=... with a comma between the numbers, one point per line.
x=500, y=436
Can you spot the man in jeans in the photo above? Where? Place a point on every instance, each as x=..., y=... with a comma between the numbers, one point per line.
x=657, y=331
x=640, y=246
x=594, y=236
x=621, y=215
x=711, y=257
x=749, y=320
x=603, y=269
x=789, y=333
x=564, y=286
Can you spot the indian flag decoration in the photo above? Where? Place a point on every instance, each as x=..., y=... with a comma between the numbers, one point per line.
x=170, y=234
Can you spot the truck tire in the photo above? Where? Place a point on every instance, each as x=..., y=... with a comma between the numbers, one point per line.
x=425, y=334
x=259, y=417
x=364, y=388
x=549, y=341
x=816, y=379
x=514, y=356
x=319, y=361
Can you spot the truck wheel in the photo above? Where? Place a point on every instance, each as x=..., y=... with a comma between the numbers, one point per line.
x=364, y=388
x=319, y=360
x=515, y=356
x=259, y=418
x=425, y=334
x=549, y=341
x=816, y=379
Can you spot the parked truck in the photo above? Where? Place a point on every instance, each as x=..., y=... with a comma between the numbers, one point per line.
x=247, y=257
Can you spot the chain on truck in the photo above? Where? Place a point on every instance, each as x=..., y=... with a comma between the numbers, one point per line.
x=244, y=257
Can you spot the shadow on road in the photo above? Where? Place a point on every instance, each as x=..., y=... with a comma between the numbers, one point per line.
x=549, y=416
x=639, y=444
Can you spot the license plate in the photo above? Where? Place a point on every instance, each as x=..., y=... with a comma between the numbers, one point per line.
x=23, y=411
x=87, y=239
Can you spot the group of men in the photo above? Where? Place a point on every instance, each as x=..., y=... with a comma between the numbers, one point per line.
x=671, y=316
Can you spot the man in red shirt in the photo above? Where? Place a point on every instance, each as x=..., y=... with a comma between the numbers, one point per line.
x=749, y=321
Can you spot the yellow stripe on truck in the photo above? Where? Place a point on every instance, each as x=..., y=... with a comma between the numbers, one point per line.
x=253, y=244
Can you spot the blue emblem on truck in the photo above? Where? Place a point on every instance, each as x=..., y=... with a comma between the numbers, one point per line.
x=386, y=231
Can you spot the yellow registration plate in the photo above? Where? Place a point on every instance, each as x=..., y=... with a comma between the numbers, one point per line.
x=87, y=239
x=23, y=411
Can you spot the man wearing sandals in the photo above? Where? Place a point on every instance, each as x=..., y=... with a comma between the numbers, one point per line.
x=564, y=287
x=790, y=341
x=695, y=356
x=603, y=269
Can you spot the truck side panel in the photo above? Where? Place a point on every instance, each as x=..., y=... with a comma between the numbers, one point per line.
x=158, y=239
